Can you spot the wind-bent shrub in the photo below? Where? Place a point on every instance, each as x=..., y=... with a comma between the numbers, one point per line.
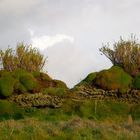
x=125, y=54
x=25, y=57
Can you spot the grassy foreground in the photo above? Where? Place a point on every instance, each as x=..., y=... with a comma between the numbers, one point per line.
x=76, y=120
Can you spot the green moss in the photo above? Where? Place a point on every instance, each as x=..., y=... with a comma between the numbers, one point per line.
x=60, y=84
x=19, y=72
x=25, y=81
x=10, y=110
x=42, y=76
x=29, y=82
x=114, y=78
x=36, y=74
x=6, y=85
x=90, y=77
x=19, y=88
x=45, y=76
x=88, y=80
x=136, y=82
x=55, y=91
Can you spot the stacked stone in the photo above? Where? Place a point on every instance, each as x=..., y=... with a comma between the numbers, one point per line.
x=37, y=100
x=131, y=96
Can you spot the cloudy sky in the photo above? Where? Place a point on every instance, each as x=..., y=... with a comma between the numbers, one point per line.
x=68, y=32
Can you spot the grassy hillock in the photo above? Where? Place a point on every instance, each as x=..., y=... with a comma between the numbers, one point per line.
x=20, y=82
x=113, y=78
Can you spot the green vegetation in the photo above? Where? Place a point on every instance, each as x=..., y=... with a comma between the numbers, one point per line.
x=90, y=77
x=88, y=80
x=98, y=110
x=88, y=119
x=114, y=78
x=19, y=88
x=125, y=54
x=6, y=85
x=21, y=81
x=55, y=91
x=43, y=76
x=60, y=84
x=10, y=111
x=19, y=72
x=135, y=112
x=29, y=82
x=72, y=117
x=136, y=82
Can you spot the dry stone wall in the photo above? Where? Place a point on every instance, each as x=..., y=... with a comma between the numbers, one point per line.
x=132, y=96
x=43, y=100
x=37, y=100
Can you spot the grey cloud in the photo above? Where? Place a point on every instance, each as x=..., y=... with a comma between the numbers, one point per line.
x=89, y=22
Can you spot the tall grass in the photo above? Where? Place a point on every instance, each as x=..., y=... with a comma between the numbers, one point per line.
x=85, y=120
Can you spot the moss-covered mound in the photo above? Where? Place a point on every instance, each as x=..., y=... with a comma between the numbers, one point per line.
x=29, y=82
x=114, y=78
x=20, y=81
x=136, y=82
x=25, y=82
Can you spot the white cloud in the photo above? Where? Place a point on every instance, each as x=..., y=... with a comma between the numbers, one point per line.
x=43, y=42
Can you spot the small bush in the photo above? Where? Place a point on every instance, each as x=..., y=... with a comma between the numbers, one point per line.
x=6, y=85
x=10, y=110
x=112, y=79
